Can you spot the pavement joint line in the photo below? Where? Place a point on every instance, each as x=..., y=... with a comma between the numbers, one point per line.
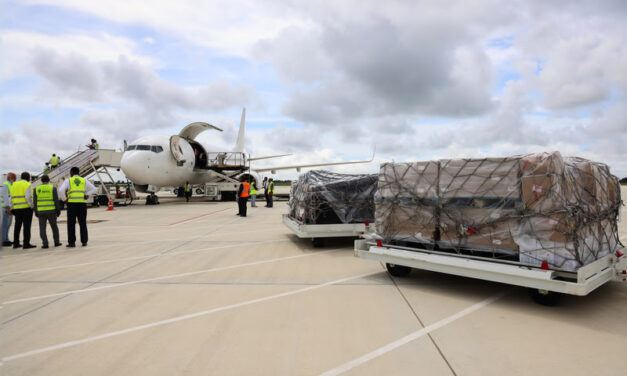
x=160, y=254
x=179, y=318
x=410, y=337
x=196, y=217
x=186, y=274
x=411, y=308
x=116, y=273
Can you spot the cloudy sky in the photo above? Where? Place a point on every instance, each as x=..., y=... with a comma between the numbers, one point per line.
x=327, y=81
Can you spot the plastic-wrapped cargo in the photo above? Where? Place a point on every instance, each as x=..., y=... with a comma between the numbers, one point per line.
x=532, y=208
x=323, y=197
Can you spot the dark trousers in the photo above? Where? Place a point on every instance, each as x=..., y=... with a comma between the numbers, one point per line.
x=269, y=199
x=265, y=195
x=242, y=203
x=188, y=195
x=50, y=217
x=22, y=217
x=76, y=210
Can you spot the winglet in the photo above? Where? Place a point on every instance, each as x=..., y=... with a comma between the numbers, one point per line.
x=239, y=144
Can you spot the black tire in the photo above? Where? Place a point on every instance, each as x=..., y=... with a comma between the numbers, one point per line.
x=317, y=242
x=199, y=191
x=398, y=270
x=180, y=192
x=545, y=298
x=103, y=200
x=148, y=200
x=175, y=191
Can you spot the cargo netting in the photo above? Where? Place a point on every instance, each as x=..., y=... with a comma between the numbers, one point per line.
x=530, y=209
x=323, y=197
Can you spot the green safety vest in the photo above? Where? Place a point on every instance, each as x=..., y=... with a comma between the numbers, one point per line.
x=271, y=187
x=45, y=198
x=76, y=192
x=18, y=194
x=253, y=188
x=96, y=146
x=188, y=187
x=54, y=161
x=8, y=184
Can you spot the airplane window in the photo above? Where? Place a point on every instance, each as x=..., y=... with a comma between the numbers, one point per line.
x=131, y=147
x=156, y=149
x=143, y=147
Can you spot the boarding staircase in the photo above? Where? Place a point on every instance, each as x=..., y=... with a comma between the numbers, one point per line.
x=89, y=162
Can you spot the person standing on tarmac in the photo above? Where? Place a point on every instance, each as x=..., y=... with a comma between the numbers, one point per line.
x=47, y=209
x=270, y=192
x=7, y=218
x=242, y=198
x=21, y=208
x=75, y=191
x=265, y=189
x=188, y=191
x=253, y=193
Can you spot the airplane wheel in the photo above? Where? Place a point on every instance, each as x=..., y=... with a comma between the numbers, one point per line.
x=398, y=270
x=544, y=297
x=175, y=191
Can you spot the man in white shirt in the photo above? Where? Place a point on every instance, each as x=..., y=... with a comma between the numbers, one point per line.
x=75, y=190
x=5, y=198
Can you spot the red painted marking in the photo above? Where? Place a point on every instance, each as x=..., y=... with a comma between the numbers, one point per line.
x=198, y=216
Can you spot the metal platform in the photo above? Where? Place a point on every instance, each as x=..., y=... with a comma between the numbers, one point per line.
x=324, y=231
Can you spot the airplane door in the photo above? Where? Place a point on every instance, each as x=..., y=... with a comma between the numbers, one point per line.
x=175, y=149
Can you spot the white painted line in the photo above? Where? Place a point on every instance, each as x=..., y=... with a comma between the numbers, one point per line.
x=180, y=318
x=410, y=337
x=210, y=270
x=138, y=257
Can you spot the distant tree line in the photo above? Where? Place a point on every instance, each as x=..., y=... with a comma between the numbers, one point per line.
x=623, y=181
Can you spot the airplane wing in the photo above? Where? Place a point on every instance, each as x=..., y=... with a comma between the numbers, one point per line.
x=268, y=157
x=194, y=129
x=298, y=167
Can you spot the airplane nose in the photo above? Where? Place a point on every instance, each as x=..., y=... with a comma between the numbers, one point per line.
x=133, y=166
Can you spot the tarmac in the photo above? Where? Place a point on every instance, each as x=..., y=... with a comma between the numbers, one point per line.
x=192, y=289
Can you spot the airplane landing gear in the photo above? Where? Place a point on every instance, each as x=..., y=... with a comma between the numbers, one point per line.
x=152, y=199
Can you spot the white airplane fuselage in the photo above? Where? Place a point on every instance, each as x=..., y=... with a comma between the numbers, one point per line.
x=149, y=161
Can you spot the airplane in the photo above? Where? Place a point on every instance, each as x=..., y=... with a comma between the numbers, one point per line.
x=157, y=161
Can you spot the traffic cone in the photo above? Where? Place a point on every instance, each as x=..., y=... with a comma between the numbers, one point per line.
x=110, y=204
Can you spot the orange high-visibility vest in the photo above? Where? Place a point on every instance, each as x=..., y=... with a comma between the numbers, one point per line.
x=245, y=190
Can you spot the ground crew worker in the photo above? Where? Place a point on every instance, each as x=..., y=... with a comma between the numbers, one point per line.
x=47, y=209
x=54, y=161
x=265, y=189
x=188, y=191
x=7, y=218
x=243, y=193
x=270, y=192
x=47, y=168
x=21, y=208
x=253, y=193
x=75, y=191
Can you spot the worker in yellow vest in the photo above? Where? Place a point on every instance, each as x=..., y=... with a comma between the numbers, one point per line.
x=242, y=198
x=270, y=193
x=253, y=193
x=7, y=218
x=75, y=190
x=21, y=208
x=54, y=161
x=47, y=209
x=188, y=191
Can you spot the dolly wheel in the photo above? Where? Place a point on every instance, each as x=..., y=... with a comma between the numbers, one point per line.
x=398, y=270
x=545, y=297
x=318, y=242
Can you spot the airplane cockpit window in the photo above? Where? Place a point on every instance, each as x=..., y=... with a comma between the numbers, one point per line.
x=131, y=147
x=156, y=149
x=143, y=147
x=153, y=148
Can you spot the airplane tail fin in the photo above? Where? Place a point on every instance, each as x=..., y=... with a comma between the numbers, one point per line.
x=239, y=144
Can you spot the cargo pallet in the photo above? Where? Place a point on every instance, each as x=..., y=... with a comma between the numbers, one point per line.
x=545, y=285
x=317, y=232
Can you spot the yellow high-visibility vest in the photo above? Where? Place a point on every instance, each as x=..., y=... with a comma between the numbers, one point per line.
x=253, y=188
x=76, y=192
x=271, y=187
x=45, y=198
x=54, y=161
x=18, y=194
x=8, y=184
